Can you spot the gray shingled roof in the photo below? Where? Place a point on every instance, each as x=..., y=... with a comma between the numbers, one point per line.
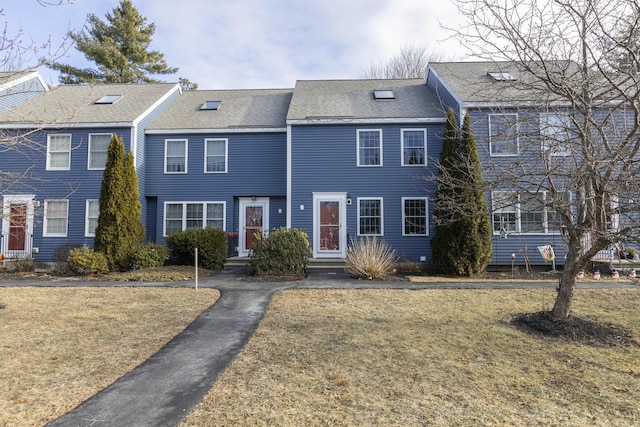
x=251, y=108
x=472, y=84
x=75, y=105
x=353, y=99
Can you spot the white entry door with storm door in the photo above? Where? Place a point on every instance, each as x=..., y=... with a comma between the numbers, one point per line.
x=254, y=222
x=17, y=226
x=330, y=225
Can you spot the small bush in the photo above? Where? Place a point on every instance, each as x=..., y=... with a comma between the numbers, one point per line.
x=284, y=252
x=151, y=255
x=60, y=255
x=370, y=258
x=23, y=265
x=211, y=243
x=87, y=261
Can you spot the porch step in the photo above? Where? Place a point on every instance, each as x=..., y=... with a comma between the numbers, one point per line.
x=314, y=263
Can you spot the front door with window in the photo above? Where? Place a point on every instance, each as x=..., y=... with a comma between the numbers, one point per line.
x=254, y=222
x=329, y=225
x=17, y=226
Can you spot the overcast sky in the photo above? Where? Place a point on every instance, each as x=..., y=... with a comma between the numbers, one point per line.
x=235, y=44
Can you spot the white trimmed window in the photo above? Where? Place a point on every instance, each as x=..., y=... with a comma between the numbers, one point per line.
x=92, y=212
x=58, y=152
x=180, y=216
x=56, y=213
x=215, y=155
x=513, y=213
x=503, y=134
x=175, y=156
x=555, y=134
x=414, y=216
x=370, y=217
x=414, y=147
x=98, y=147
x=369, y=147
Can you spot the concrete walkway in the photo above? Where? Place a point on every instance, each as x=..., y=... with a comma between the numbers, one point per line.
x=162, y=390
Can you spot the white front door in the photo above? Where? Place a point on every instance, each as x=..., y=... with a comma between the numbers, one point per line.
x=17, y=226
x=254, y=222
x=329, y=225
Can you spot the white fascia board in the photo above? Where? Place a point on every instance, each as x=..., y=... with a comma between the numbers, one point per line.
x=64, y=125
x=156, y=104
x=23, y=79
x=214, y=131
x=446, y=86
x=348, y=121
x=516, y=104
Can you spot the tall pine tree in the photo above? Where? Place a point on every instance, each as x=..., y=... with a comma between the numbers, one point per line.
x=120, y=49
x=462, y=241
x=120, y=233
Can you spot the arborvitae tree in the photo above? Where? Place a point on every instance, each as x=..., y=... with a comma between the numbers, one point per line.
x=444, y=244
x=462, y=241
x=120, y=49
x=119, y=233
x=475, y=228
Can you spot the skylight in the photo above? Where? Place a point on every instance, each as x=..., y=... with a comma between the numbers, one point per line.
x=108, y=99
x=383, y=94
x=502, y=76
x=211, y=105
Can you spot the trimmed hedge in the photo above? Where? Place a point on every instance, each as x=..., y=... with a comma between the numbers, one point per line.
x=211, y=243
x=284, y=252
x=151, y=255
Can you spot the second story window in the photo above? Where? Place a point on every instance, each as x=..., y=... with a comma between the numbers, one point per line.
x=98, y=147
x=175, y=156
x=414, y=147
x=555, y=134
x=369, y=148
x=503, y=134
x=215, y=155
x=58, y=152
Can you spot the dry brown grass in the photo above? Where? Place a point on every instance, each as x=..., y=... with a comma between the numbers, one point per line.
x=433, y=357
x=59, y=346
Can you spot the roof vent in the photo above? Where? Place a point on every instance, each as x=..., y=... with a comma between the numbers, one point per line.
x=384, y=94
x=108, y=99
x=211, y=105
x=502, y=76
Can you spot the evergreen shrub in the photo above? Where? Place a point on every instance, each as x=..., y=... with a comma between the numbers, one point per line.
x=284, y=252
x=150, y=255
x=87, y=261
x=211, y=243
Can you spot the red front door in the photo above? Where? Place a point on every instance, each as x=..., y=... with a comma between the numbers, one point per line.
x=253, y=226
x=17, y=226
x=329, y=225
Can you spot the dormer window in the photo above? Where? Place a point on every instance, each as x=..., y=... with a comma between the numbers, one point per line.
x=502, y=76
x=384, y=94
x=211, y=105
x=108, y=99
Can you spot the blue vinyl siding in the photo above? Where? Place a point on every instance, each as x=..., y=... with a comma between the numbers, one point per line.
x=76, y=185
x=442, y=93
x=141, y=147
x=20, y=93
x=324, y=160
x=256, y=167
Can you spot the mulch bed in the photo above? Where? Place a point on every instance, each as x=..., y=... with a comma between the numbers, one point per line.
x=575, y=329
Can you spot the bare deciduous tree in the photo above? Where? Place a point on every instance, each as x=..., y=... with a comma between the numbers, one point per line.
x=578, y=118
x=411, y=62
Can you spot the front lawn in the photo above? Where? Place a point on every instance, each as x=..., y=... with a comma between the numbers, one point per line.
x=432, y=357
x=60, y=346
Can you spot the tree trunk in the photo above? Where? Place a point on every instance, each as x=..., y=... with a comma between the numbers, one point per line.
x=562, y=306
